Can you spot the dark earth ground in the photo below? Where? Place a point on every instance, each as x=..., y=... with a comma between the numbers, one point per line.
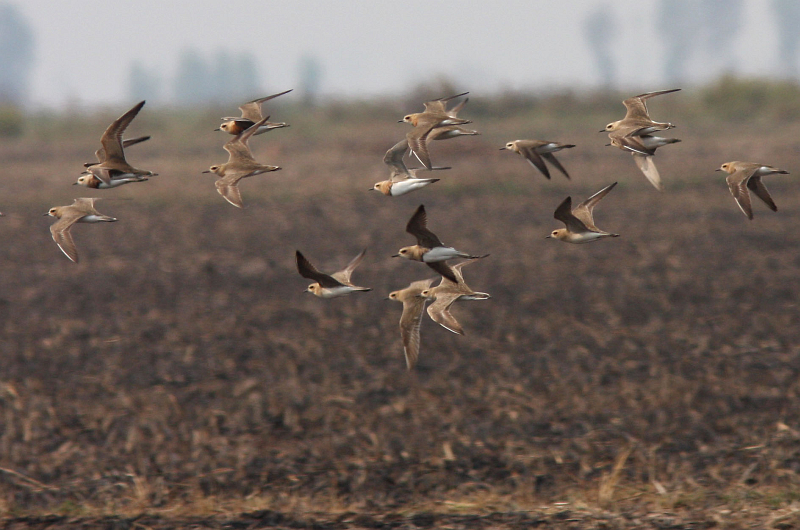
x=178, y=377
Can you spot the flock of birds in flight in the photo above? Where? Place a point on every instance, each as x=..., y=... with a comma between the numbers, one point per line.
x=634, y=134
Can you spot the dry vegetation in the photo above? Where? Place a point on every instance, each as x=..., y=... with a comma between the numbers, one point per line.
x=178, y=376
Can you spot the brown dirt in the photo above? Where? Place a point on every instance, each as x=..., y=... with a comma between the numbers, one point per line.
x=178, y=376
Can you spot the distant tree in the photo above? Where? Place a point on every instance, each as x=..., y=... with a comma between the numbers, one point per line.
x=787, y=14
x=600, y=30
x=439, y=87
x=16, y=55
x=310, y=76
x=721, y=20
x=143, y=83
x=681, y=27
x=192, y=79
x=220, y=82
x=229, y=77
x=246, y=75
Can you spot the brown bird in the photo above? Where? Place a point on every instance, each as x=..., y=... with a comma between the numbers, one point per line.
x=429, y=248
x=537, y=151
x=251, y=113
x=80, y=211
x=448, y=131
x=637, y=120
x=424, y=123
x=580, y=227
x=114, y=165
x=642, y=148
x=744, y=177
x=90, y=181
x=633, y=134
x=329, y=285
x=447, y=293
x=240, y=164
x=411, y=319
x=401, y=179
x=101, y=152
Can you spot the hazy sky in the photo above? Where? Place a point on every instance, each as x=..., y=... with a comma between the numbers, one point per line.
x=84, y=48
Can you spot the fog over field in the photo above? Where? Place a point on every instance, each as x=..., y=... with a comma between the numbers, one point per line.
x=86, y=51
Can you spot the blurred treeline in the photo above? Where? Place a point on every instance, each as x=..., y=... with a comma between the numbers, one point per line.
x=726, y=100
x=698, y=37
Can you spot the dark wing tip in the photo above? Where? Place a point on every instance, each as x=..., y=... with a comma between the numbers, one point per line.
x=419, y=219
x=564, y=210
x=303, y=265
x=444, y=269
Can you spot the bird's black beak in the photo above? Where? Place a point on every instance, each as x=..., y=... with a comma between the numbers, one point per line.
x=394, y=255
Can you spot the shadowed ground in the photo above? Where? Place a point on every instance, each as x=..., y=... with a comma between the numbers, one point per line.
x=178, y=371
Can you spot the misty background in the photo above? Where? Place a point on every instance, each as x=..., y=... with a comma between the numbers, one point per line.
x=88, y=53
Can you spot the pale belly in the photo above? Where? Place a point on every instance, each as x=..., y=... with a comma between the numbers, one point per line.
x=441, y=254
x=586, y=237
x=91, y=219
x=116, y=181
x=334, y=292
x=405, y=186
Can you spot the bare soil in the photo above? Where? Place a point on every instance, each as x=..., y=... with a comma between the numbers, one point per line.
x=178, y=376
